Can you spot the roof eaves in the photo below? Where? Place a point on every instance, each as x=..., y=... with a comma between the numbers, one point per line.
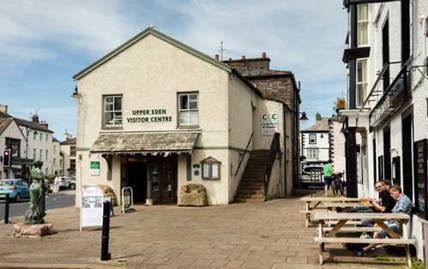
x=8, y=122
x=140, y=36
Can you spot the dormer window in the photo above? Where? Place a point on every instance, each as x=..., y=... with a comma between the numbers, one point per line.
x=210, y=168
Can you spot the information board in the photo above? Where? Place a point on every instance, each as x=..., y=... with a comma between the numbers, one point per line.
x=91, y=208
x=95, y=168
x=269, y=123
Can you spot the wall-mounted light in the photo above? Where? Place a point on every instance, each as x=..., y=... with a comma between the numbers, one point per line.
x=303, y=116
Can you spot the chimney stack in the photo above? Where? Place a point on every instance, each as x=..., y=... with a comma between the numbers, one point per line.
x=318, y=117
x=44, y=124
x=35, y=118
x=264, y=54
x=217, y=57
x=243, y=57
x=3, y=108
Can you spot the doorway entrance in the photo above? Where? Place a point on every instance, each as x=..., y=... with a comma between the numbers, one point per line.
x=152, y=177
x=406, y=134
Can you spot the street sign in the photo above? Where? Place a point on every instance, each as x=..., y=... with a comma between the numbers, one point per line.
x=91, y=207
x=127, y=199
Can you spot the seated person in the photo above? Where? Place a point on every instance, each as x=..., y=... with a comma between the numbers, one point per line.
x=386, y=203
x=403, y=205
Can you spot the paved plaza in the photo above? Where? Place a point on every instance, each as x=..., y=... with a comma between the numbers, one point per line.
x=252, y=235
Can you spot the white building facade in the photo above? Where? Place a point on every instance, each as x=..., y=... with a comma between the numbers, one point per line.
x=155, y=114
x=11, y=138
x=386, y=117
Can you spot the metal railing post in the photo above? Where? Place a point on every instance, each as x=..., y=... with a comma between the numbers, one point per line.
x=105, y=255
x=6, y=209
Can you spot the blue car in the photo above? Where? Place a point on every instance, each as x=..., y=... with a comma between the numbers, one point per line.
x=17, y=189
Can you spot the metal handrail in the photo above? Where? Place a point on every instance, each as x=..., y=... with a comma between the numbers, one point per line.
x=375, y=85
x=274, y=150
x=245, y=152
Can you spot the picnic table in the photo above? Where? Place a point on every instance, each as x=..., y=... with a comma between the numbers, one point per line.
x=329, y=234
x=314, y=204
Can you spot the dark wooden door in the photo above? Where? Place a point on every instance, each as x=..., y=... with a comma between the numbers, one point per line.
x=163, y=175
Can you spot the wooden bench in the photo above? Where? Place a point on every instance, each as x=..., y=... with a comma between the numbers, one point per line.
x=327, y=235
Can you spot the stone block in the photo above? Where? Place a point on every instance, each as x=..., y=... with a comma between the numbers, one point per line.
x=33, y=230
x=193, y=195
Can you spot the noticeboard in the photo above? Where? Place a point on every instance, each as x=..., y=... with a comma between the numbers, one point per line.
x=91, y=207
x=420, y=159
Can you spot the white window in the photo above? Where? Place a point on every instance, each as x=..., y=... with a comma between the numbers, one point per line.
x=312, y=139
x=34, y=135
x=312, y=153
x=210, y=168
x=362, y=24
x=112, y=114
x=34, y=154
x=47, y=153
x=188, y=109
x=361, y=81
x=40, y=154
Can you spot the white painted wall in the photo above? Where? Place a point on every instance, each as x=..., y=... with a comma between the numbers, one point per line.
x=12, y=131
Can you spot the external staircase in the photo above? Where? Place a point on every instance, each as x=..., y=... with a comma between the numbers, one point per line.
x=252, y=185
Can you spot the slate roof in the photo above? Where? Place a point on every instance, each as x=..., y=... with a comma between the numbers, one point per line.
x=147, y=142
x=71, y=141
x=320, y=125
x=26, y=123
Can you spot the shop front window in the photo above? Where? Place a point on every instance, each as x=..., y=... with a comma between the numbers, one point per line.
x=188, y=109
x=14, y=146
x=112, y=114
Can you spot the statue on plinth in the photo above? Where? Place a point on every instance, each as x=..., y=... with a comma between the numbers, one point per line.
x=35, y=212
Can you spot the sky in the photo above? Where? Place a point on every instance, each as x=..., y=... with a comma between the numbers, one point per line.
x=44, y=43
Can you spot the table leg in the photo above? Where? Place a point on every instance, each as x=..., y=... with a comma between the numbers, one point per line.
x=337, y=227
x=388, y=230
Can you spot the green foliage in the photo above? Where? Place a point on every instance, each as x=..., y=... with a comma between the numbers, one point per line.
x=417, y=264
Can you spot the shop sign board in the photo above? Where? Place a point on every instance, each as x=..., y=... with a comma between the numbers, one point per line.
x=91, y=208
x=158, y=115
x=127, y=199
x=95, y=168
x=269, y=123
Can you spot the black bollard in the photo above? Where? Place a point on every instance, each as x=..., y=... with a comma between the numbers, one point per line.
x=105, y=255
x=6, y=209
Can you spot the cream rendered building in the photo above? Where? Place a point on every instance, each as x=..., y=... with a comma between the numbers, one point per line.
x=155, y=114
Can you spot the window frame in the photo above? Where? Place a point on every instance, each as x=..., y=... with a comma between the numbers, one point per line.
x=104, y=112
x=210, y=161
x=309, y=152
x=315, y=140
x=359, y=100
x=179, y=110
x=362, y=23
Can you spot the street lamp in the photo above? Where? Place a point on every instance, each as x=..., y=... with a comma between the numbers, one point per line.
x=303, y=116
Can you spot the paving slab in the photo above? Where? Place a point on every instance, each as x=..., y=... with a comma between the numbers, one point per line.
x=253, y=235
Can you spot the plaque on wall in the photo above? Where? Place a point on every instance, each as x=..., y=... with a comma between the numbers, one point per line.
x=420, y=165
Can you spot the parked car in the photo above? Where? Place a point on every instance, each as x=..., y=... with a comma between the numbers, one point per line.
x=16, y=188
x=311, y=174
x=66, y=182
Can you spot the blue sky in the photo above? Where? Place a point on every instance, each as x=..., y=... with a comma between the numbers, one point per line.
x=44, y=43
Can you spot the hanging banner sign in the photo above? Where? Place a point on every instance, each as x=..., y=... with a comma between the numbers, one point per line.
x=269, y=123
x=91, y=208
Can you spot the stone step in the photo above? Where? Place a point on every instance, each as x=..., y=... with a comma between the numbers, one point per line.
x=243, y=200
x=250, y=196
x=251, y=191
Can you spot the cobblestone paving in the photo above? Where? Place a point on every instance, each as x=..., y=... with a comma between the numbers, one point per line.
x=261, y=235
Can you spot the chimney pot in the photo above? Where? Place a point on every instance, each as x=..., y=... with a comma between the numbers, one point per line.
x=264, y=54
x=217, y=57
x=243, y=57
x=318, y=117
